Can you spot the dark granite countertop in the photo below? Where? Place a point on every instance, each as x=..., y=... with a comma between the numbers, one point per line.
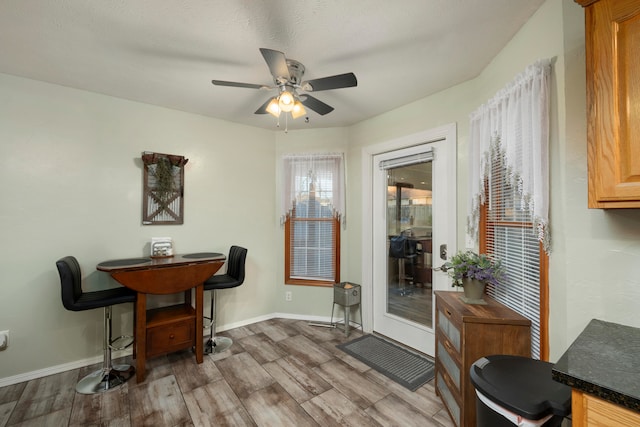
x=604, y=361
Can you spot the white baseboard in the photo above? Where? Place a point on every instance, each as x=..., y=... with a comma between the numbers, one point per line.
x=27, y=376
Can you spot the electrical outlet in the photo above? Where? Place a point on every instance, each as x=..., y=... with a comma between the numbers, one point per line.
x=288, y=296
x=4, y=340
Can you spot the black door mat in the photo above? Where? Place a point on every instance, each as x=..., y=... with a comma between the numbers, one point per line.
x=408, y=369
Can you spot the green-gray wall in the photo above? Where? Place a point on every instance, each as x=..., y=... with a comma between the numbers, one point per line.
x=72, y=184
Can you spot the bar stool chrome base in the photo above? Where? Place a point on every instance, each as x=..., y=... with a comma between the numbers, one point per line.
x=217, y=345
x=105, y=379
x=109, y=376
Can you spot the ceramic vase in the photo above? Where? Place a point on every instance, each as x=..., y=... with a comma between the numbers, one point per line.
x=473, y=291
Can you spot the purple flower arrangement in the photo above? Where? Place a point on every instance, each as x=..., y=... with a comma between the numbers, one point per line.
x=473, y=266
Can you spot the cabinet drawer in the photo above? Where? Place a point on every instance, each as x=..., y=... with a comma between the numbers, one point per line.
x=448, y=399
x=448, y=327
x=448, y=364
x=171, y=337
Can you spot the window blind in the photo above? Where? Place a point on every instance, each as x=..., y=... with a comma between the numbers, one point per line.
x=407, y=160
x=314, y=182
x=511, y=237
x=312, y=247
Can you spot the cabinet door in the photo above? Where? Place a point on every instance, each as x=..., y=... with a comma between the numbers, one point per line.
x=589, y=410
x=613, y=98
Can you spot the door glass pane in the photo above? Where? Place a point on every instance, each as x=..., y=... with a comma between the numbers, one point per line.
x=409, y=219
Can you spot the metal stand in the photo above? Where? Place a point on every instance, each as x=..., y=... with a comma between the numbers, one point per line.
x=347, y=322
x=347, y=295
x=322, y=324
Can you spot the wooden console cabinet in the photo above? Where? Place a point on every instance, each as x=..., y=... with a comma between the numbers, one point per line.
x=465, y=333
x=612, y=37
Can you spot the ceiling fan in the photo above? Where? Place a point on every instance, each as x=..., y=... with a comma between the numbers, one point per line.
x=287, y=78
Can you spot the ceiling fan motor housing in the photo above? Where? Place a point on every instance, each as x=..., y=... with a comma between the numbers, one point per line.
x=296, y=71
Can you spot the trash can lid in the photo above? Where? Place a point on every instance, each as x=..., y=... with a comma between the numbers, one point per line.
x=521, y=385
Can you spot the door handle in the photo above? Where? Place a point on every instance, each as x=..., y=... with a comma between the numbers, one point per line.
x=443, y=252
x=443, y=256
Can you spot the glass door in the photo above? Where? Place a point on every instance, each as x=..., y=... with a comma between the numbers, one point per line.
x=409, y=222
x=414, y=213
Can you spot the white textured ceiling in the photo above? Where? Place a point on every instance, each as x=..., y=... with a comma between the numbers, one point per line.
x=166, y=52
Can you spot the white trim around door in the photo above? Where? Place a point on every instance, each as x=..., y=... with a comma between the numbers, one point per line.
x=446, y=136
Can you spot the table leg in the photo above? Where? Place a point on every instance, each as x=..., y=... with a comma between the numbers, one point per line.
x=187, y=297
x=199, y=322
x=141, y=336
x=135, y=326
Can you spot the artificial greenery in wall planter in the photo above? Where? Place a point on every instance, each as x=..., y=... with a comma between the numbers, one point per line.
x=163, y=198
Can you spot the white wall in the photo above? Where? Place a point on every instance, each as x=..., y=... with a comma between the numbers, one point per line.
x=72, y=185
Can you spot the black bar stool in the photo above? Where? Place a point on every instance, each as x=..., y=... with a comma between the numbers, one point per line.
x=233, y=277
x=74, y=299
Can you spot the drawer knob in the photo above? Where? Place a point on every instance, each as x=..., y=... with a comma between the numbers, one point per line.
x=171, y=336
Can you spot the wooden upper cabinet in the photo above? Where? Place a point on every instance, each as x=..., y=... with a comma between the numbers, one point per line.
x=613, y=102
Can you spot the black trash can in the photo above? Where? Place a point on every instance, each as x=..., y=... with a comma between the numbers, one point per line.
x=515, y=390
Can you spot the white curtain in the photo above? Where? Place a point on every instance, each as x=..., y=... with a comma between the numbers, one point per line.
x=515, y=121
x=325, y=171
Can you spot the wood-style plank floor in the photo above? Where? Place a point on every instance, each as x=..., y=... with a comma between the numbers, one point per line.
x=279, y=372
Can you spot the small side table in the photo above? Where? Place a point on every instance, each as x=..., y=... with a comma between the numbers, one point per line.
x=347, y=295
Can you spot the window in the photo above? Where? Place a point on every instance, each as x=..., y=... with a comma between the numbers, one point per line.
x=509, y=193
x=507, y=232
x=313, y=211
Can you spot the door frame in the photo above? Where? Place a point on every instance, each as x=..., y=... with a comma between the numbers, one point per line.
x=447, y=132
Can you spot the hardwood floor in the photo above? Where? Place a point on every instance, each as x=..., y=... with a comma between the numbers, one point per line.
x=278, y=372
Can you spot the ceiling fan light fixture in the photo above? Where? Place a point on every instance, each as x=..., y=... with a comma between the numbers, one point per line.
x=273, y=108
x=287, y=76
x=298, y=110
x=286, y=101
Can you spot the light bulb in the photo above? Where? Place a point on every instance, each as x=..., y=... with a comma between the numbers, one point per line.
x=286, y=101
x=298, y=110
x=273, y=108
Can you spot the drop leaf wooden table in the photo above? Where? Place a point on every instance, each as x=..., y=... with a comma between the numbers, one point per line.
x=166, y=329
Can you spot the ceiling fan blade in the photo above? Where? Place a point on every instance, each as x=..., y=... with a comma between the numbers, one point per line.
x=277, y=63
x=263, y=107
x=238, y=84
x=315, y=104
x=333, y=82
